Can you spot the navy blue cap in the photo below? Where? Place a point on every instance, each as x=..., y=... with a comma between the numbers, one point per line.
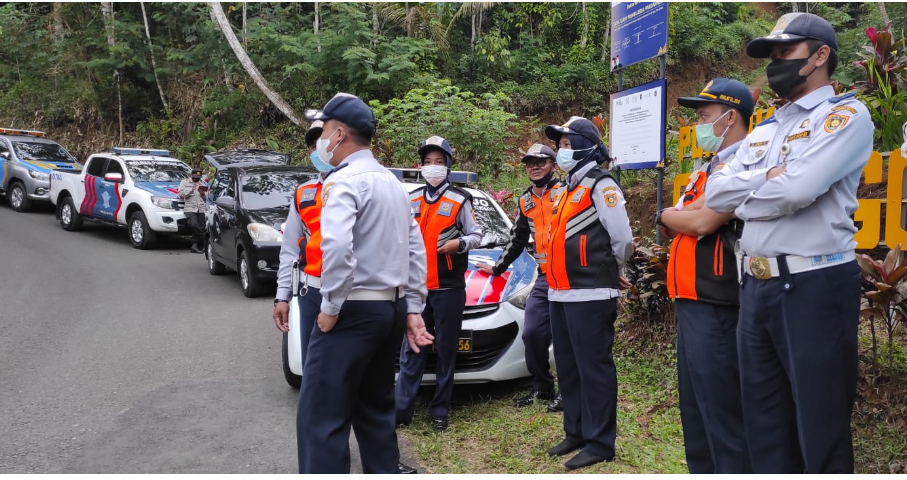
x=538, y=150
x=576, y=125
x=794, y=27
x=314, y=132
x=436, y=143
x=197, y=172
x=725, y=91
x=348, y=109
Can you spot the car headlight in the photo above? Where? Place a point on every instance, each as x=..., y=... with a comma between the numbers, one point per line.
x=519, y=298
x=264, y=233
x=38, y=175
x=162, y=202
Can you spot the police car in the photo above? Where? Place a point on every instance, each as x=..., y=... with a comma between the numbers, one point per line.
x=128, y=187
x=490, y=347
x=26, y=161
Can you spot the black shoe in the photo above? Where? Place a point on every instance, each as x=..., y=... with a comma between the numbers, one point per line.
x=195, y=249
x=585, y=459
x=439, y=423
x=406, y=469
x=532, y=396
x=556, y=405
x=566, y=446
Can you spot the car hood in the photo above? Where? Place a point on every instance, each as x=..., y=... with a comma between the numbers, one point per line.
x=160, y=189
x=46, y=167
x=484, y=290
x=270, y=216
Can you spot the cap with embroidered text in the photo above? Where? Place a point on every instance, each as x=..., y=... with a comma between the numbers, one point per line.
x=724, y=91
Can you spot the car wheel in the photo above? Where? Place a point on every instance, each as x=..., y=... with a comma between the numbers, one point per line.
x=214, y=267
x=140, y=234
x=251, y=287
x=70, y=219
x=18, y=198
x=292, y=379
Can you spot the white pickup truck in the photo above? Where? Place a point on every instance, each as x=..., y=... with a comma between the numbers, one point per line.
x=131, y=187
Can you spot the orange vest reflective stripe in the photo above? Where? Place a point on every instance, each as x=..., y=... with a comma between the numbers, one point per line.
x=579, y=248
x=704, y=268
x=438, y=222
x=308, y=205
x=539, y=216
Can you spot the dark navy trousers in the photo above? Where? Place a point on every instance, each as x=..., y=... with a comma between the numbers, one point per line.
x=708, y=377
x=443, y=317
x=583, y=339
x=537, y=335
x=797, y=342
x=309, y=308
x=349, y=380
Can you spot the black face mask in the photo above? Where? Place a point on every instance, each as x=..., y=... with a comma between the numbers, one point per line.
x=544, y=180
x=195, y=179
x=784, y=75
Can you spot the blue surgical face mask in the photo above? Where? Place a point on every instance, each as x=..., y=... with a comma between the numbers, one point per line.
x=565, y=158
x=319, y=164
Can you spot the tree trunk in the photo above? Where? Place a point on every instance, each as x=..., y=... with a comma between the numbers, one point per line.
x=157, y=81
x=585, y=38
x=472, y=40
x=246, y=62
x=317, y=24
x=59, y=33
x=884, y=11
x=245, y=42
x=408, y=22
x=107, y=12
x=904, y=26
x=376, y=26
x=606, y=38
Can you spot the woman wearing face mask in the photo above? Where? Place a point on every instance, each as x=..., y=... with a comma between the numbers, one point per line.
x=589, y=242
x=444, y=213
x=302, y=244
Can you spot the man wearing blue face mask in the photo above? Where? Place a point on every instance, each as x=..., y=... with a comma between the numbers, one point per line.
x=445, y=217
x=302, y=246
x=589, y=242
x=702, y=278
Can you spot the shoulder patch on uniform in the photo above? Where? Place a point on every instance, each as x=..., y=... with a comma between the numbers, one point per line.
x=308, y=195
x=609, y=188
x=611, y=199
x=759, y=144
x=325, y=191
x=844, y=108
x=843, y=96
x=445, y=209
x=835, y=122
x=797, y=136
x=767, y=121
x=719, y=166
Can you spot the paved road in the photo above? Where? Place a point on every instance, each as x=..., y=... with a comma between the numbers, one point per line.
x=115, y=360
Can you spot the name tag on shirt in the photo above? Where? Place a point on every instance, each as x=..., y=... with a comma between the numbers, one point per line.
x=308, y=196
x=445, y=209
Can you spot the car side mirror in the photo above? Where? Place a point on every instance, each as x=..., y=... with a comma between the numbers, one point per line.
x=4, y=155
x=224, y=202
x=114, y=177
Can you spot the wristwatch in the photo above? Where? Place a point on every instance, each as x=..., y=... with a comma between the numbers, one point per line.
x=279, y=300
x=462, y=245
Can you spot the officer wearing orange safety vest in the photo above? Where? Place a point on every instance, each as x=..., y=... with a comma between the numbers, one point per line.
x=444, y=213
x=302, y=247
x=533, y=220
x=589, y=242
x=702, y=278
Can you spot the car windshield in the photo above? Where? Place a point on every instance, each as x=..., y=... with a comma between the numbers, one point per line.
x=48, y=152
x=495, y=231
x=156, y=171
x=271, y=189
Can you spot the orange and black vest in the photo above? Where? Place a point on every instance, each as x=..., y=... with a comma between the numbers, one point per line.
x=438, y=222
x=704, y=268
x=579, y=247
x=308, y=205
x=538, y=212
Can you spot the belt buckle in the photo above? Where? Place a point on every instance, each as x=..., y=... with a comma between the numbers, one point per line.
x=760, y=268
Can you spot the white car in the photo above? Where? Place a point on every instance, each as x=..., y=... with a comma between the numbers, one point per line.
x=491, y=346
x=131, y=187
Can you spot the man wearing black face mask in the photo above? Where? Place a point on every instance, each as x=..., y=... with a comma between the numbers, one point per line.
x=794, y=182
x=193, y=191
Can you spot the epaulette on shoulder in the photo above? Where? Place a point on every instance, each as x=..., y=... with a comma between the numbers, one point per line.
x=843, y=96
x=767, y=121
x=461, y=191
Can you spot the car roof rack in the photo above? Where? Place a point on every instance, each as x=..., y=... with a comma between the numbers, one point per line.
x=458, y=177
x=15, y=131
x=157, y=152
x=246, y=157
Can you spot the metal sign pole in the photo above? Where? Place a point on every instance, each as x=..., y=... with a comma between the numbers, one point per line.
x=660, y=169
x=620, y=86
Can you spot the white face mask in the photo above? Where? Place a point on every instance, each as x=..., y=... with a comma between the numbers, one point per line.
x=434, y=174
x=321, y=146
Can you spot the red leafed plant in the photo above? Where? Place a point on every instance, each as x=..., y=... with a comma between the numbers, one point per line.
x=501, y=196
x=884, y=296
x=883, y=60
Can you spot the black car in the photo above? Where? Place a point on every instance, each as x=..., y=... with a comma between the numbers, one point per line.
x=248, y=203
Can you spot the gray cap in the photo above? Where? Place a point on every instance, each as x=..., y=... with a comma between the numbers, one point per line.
x=794, y=27
x=539, y=151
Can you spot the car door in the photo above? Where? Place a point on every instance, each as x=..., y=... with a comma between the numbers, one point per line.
x=4, y=163
x=109, y=199
x=223, y=220
x=94, y=174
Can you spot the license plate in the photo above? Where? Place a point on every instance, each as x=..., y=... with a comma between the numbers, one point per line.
x=464, y=343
